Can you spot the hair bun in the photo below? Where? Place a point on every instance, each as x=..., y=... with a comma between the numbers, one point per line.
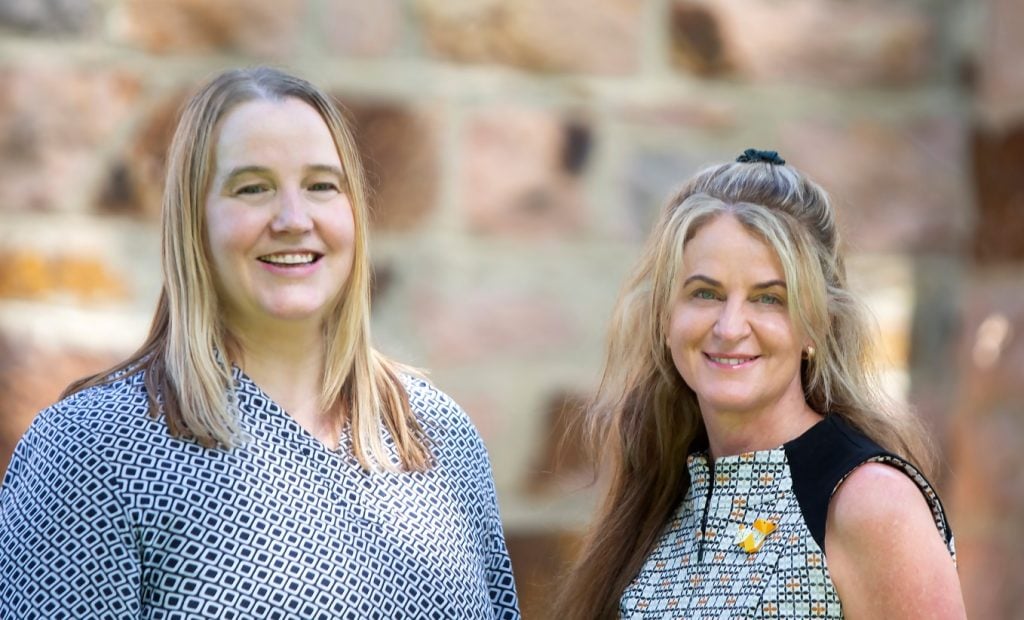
x=751, y=156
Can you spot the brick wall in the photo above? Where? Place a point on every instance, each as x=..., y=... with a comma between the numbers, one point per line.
x=519, y=151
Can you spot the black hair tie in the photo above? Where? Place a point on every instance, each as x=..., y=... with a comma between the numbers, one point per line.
x=751, y=156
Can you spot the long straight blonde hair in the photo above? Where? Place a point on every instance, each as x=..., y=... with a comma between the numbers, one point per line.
x=186, y=356
x=645, y=419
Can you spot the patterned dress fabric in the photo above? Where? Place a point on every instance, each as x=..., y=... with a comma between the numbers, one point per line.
x=104, y=515
x=743, y=542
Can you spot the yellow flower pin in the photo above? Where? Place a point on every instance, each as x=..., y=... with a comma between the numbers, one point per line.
x=751, y=538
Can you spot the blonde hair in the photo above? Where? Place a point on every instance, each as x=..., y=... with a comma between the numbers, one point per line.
x=186, y=355
x=645, y=419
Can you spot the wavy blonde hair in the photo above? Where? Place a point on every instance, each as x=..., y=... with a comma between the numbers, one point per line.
x=645, y=419
x=186, y=354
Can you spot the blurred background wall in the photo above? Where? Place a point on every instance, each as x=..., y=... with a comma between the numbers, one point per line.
x=519, y=151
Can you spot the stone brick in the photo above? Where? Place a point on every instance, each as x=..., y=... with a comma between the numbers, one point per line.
x=998, y=158
x=399, y=149
x=29, y=274
x=53, y=122
x=471, y=328
x=520, y=173
x=1000, y=72
x=987, y=498
x=539, y=560
x=697, y=42
x=897, y=187
x=134, y=180
x=590, y=36
x=31, y=378
x=651, y=177
x=365, y=29
x=262, y=28
x=48, y=16
x=868, y=43
x=560, y=463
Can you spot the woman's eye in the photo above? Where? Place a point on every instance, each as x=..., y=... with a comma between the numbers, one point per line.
x=323, y=187
x=768, y=299
x=704, y=293
x=251, y=189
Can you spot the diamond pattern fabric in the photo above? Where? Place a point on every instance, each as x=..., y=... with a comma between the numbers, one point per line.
x=104, y=515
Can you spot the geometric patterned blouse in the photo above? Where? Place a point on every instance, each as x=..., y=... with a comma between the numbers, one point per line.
x=104, y=515
x=748, y=539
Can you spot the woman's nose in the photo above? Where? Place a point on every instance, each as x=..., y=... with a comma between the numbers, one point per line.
x=292, y=214
x=732, y=323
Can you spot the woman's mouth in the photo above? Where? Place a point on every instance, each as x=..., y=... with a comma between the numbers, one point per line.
x=290, y=259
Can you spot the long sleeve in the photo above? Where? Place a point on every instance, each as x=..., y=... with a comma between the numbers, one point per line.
x=66, y=545
x=500, y=584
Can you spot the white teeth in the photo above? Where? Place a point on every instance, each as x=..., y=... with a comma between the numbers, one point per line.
x=289, y=259
x=728, y=361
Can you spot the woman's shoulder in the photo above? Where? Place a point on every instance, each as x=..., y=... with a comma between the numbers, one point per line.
x=829, y=455
x=447, y=426
x=112, y=408
x=430, y=405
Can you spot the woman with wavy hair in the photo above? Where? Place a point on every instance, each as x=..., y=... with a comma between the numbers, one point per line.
x=256, y=457
x=755, y=467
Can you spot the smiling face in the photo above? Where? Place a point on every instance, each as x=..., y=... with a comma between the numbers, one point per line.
x=730, y=333
x=280, y=228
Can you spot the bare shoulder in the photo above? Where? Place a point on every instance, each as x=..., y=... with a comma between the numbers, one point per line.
x=872, y=496
x=884, y=551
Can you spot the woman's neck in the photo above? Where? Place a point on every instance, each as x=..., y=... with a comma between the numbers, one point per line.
x=288, y=366
x=735, y=433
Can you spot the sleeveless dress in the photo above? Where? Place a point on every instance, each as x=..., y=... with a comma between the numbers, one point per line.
x=748, y=540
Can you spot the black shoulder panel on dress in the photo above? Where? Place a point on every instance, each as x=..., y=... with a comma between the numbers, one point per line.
x=819, y=460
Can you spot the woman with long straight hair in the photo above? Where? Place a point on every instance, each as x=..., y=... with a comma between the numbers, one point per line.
x=755, y=467
x=256, y=457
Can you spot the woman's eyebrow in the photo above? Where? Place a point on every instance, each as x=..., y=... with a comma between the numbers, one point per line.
x=713, y=282
x=702, y=278
x=328, y=168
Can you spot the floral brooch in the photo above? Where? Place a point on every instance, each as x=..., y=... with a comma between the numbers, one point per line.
x=751, y=538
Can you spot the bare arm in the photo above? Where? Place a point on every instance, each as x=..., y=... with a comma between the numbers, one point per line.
x=884, y=552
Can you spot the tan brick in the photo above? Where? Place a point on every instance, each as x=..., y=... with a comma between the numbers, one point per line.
x=898, y=187
x=263, y=28
x=590, y=36
x=361, y=28
x=1000, y=72
x=820, y=41
x=29, y=274
x=53, y=16
x=519, y=177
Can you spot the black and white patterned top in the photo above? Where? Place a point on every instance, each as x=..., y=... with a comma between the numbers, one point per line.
x=104, y=515
x=748, y=539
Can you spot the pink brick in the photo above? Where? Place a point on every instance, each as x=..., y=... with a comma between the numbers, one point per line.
x=32, y=378
x=53, y=124
x=514, y=177
x=399, y=149
x=477, y=326
x=987, y=488
x=821, y=41
x=898, y=187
